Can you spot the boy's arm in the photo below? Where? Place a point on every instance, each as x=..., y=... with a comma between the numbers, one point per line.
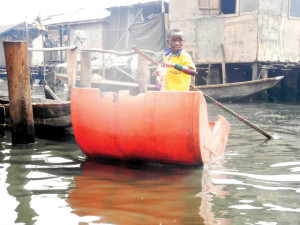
x=185, y=69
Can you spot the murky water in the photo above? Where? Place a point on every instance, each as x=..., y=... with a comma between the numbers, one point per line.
x=256, y=182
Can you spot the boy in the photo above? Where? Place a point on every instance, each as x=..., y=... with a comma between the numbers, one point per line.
x=178, y=63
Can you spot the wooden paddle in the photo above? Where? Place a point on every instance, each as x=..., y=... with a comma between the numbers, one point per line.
x=239, y=117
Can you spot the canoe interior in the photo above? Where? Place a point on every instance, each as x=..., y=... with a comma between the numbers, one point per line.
x=47, y=113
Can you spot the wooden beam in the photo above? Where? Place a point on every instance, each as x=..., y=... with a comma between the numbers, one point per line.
x=116, y=52
x=53, y=49
x=71, y=70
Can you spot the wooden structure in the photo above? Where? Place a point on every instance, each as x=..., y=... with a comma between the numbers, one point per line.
x=257, y=35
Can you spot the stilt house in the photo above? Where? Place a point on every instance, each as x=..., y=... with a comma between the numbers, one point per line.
x=251, y=38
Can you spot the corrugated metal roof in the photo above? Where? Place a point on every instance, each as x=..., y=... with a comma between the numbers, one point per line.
x=136, y=2
x=79, y=15
x=88, y=15
x=6, y=28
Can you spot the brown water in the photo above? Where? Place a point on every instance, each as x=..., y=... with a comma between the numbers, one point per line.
x=256, y=182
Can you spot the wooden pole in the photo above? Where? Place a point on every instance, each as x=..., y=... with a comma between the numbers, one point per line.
x=20, y=107
x=85, y=69
x=71, y=69
x=254, y=71
x=223, y=64
x=162, y=6
x=213, y=76
x=142, y=73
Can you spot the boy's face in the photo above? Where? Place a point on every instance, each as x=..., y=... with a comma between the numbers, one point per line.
x=176, y=44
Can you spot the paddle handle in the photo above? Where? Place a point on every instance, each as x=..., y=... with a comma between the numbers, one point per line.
x=145, y=55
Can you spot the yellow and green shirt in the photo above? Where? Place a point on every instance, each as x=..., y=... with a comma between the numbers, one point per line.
x=177, y=80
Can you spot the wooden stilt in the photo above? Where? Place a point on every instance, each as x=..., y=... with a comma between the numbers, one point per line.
x=223, y=64
x=85, y=72
x=254, y=71
x=213, y=76
x=20, y=107
x=71, y=69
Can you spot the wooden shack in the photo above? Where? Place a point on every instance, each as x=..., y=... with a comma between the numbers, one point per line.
x=81, y=27
x=252, y=38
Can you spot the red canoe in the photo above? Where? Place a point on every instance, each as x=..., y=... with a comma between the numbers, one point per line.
x=168, y=127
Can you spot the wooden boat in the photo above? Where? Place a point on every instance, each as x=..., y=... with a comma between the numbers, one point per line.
x=46, y=113
x=168, y=127
x=221, y=92
x=238, y=90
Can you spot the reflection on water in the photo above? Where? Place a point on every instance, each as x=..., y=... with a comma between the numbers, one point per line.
x=257, y=182
x=128, y=195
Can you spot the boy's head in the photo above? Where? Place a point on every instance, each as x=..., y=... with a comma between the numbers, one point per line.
x=175, y=33
x=175, y=40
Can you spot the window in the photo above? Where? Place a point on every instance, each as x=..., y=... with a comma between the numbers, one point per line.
x=228, y=6
x=295, y=8
x=216, y=7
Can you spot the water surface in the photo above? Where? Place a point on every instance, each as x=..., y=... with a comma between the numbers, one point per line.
x=256, y=182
